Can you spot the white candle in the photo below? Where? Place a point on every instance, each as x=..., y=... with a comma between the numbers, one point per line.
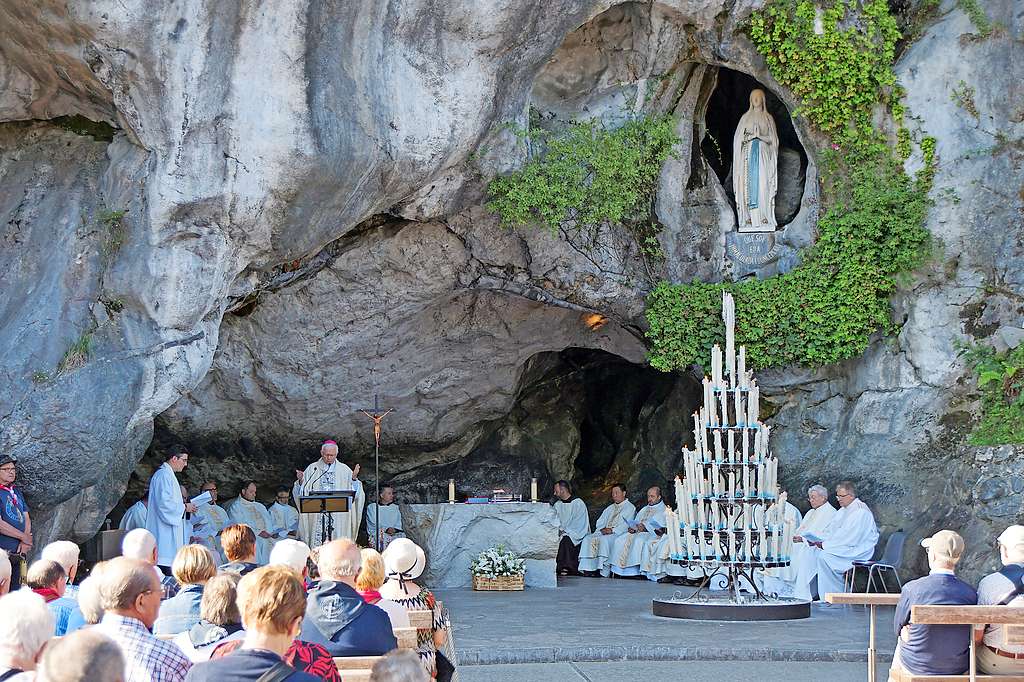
x=741, y=416
x=715, y=544
x=708, y=395
x=742, y=369
x=763, y=547
x=718, y=446
x=716, y=365
x=732, y=486
x=451, y=491
x=746, y=480
x=533, y=489
x=730, y=453
x=730, y=548
x=746, y=538
x=752, y=405
x=725, y=407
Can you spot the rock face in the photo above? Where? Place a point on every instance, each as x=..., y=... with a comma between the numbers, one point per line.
x=274, y=213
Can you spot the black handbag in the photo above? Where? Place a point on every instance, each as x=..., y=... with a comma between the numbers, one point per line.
x=445, y=669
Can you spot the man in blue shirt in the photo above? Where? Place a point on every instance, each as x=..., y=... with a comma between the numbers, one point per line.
x=15, y=524
x=935, y=649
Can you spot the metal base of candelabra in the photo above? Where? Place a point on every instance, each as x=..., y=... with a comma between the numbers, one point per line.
x=733, y=604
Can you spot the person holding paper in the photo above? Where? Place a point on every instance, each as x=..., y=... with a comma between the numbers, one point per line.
x=573, y=526
x=390, y=519
x=811, y=529
x=210, y=520
x=327, y=473
x=246, y=510
x=284, y=516
x=851, y=536
x=647, y=528
x=596, y=548
x=165, y=518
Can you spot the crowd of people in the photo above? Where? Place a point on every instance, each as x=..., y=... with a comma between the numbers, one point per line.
x=202, y=592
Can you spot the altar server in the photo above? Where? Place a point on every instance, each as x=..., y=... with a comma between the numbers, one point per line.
x=649, y=527
x=573, y=526
x=165, y=517
x=596, y=548
x=284, y=516
x=135, y=517
x=850, y=537
x=209, y=521
x=784, y=581
x=327, y=473
x=244, y=509
x=390, y=519
x=781, y=580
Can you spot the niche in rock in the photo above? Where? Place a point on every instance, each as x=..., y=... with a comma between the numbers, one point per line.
x=727, y=104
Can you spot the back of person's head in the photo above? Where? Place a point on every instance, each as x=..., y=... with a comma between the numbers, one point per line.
x=64, y=552
x=219, y=604
x=193, y=565
x=89, y=599
x=944, y=549
x=123, y=581
x=371, y=574
x=399, y=665
x=1011, y=544
x=5, y=573
x=290, y=553
x=23, y=637
x=339, y=559
x=239, y=542
x=45, y=573
x=272, y=601
x=82, y=656
x=139, y=544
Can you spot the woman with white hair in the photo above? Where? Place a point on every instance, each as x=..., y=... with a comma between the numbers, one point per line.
x=65, y=553
x=23, y=639
x=90, y=610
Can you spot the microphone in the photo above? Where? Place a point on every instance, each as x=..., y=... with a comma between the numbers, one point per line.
x=310, y=489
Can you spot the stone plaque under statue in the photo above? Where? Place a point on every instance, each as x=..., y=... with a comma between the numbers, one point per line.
x=755, y=156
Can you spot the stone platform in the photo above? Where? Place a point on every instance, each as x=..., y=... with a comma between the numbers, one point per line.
x=600, y=619
x=453, y=534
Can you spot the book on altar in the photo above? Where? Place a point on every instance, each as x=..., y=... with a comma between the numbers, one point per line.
x=200, y=500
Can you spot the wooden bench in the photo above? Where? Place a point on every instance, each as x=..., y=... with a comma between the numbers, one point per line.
x=424, y=620
x=355, y=668
x=872, y=600
x=406, y=637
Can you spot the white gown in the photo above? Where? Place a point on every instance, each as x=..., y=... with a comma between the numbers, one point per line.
x=285, y=520
x=573, y=519
x=256, y=516
x=135, y=517
x=816, y=521
x=629, y=547
x=390, y=517
x=596, y=548
x=319, y=477
x=207, y=523
x=851, y=536
x=165, y=517
x=781, y=580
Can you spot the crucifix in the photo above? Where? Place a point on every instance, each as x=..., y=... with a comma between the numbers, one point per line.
x=377, y=416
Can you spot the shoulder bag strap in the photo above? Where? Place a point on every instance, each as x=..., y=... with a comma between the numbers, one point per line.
x=10, y=673
x=1014, y=573
x=278, y=673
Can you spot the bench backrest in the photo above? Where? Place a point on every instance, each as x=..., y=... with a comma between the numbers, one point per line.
x=406, y=637
x=423, y=620
x=928, y=614
x=355, y=662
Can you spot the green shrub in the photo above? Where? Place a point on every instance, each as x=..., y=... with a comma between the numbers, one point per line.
x=1001, y=384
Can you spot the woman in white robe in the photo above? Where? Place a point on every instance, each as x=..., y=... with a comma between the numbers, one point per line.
x=755, y=167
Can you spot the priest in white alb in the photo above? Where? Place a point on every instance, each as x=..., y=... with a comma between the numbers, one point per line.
x=135, y=517
x=165, y=516
x=596, y=548
x=781, y=580
x=389, y=517
x=851, y=536
x=573, y=526
x=284, y=516
x=647, y=528
x=814, y=523
x=208, y=522
x=246, y=509
x=327, y=473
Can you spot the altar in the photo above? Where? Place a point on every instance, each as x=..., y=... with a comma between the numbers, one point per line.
x=453, y=534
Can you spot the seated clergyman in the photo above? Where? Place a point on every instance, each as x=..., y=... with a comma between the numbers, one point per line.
x=935, y=649
x=390, y=525
x=850, y=537
x=573, y=526
x=596, y=548
x=648, y=528
x=1004, y=588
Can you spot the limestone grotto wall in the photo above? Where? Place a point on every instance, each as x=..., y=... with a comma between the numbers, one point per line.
x=244, y=223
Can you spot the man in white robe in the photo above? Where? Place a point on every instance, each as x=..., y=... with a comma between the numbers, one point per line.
x=815, y=522
x=247, y=510
x=208, y=522
x=596, y=548
x=390, y=520
x=135, y=517
x=781, y=580
x=573, y=526
x=165, y=517
x=851, y=536
x=327, y=473
x=284, y=516
x=648, y=528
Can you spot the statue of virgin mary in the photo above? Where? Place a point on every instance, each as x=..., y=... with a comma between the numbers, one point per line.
x=755, y=153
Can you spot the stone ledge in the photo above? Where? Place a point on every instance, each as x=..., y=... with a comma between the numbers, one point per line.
x=496, y=656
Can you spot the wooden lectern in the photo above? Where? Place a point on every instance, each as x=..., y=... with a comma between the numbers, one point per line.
x=326, y=503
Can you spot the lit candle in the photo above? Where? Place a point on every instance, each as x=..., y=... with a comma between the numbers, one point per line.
x=451, y=491
x=533, y=489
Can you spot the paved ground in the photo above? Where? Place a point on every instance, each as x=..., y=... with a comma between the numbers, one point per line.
x=691, y=671
x=593, y=619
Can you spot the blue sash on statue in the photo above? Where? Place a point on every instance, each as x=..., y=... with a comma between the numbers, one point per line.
x=752, y=173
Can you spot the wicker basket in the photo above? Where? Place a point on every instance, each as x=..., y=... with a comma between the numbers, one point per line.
x=503, y=583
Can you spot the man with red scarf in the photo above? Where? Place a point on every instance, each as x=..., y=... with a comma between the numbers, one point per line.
x=15, y=524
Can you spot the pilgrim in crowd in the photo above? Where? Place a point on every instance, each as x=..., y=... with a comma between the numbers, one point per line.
x=573, y=526
x=390, y=520
x=140, y=544
x=239, y=544
x=15, y=522
x=596, y=548
x=1005, y=587
x=49, y=580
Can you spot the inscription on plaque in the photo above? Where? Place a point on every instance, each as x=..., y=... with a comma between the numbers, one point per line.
x=752, y=249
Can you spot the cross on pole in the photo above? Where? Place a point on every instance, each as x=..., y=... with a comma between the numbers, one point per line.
x=377, y=416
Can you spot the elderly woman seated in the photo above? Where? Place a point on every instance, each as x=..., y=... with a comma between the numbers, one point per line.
x=193, y=566
x=219, y=620
x=23, y=639
x=368, y=583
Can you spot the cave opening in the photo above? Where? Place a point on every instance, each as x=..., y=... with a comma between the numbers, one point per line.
x=727, y=104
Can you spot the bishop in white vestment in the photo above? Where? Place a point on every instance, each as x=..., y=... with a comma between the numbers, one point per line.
x=135, y=517
x=596, y=548
x=390, y=519
x=208, y=522
x=573, y=526
x=327, y=473
x=648, y=528
x=850, y=537
x=815, y=522
x=284, y=516
x=165, y=516
x=247, y=510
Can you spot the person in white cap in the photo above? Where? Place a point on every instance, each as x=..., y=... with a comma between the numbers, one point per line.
x=293, y=554
x=1003, y=588
x=935, y=649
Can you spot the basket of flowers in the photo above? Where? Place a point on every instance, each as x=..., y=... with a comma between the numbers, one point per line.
x=497, y=569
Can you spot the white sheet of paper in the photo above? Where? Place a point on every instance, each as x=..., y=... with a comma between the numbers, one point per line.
x=811, y=537
x=200, y=500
